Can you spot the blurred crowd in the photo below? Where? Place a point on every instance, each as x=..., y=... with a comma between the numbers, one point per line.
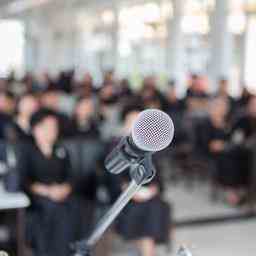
x=56, y=133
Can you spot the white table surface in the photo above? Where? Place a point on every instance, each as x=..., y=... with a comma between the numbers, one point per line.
x=9, y=201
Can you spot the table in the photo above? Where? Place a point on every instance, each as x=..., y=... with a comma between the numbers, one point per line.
x=18, y=202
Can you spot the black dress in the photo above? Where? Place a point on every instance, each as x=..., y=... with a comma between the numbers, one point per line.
x=247, y=126
x=148, y=219
x=51, y=225
x=230, y=164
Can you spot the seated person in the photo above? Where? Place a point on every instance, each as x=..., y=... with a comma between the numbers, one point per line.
x=244, y=136
x=146, y=220
x=230, y=170
x=7, y=105
x=27, y=105
x=45, y=177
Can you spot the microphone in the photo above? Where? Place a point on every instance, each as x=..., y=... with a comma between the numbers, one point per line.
x=152, y=131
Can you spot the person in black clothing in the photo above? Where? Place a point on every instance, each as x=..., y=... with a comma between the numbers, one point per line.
x=150, y=95
x=223, y=91
x=85, y=88
x=243, y=100
x=51, y=99
x=86, y=119
x=65, y=81
x=244, y=135
x=3, y=84
x=7, y=105
x=175, y=107
x=18, y=135
x=125, y=90
x=230, y=172
x=86, y=151
x=246, y=124
x=146, y=220
x=195, y=89
x=87, y=144
x=213, y=137
x=44, y=171
x=27, y=105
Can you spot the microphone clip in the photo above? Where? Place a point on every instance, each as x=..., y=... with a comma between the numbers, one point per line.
x=144, y=171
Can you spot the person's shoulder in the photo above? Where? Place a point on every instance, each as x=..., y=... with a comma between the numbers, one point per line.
x=243, y=120
x=26, y=149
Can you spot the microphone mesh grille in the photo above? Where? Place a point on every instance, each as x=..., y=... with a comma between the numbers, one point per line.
x=153, y=130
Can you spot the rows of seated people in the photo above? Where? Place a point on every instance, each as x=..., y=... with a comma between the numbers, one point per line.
x=60, y=132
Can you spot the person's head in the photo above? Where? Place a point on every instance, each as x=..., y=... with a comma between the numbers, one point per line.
x=125, y=83
x=28, y=81
x=50, y=99
x=27, y=105
x=7, y=102
x=88, y=80
x=223, y=86
x=3, y=84
x=44, y=126
x=218, y=108
x=152, y=102
x=149, y=89
x=108, y=94
x=109, y=77
x=193, y=80
x=84, y=109
x=149, y=83
x=251, y=107
x=128, y=116
x=171, y=92
x=85, y=87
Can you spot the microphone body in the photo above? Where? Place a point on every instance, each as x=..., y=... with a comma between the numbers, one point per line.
x=152, y=131
x=123, y=155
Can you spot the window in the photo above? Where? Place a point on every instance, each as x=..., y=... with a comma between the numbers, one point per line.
x=11, y=46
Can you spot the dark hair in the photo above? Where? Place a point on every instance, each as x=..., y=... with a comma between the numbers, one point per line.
x=127, y=109
x=172, y=83
x=223, y=80
x=194, y=76
x=40, y=115
x=8, y=94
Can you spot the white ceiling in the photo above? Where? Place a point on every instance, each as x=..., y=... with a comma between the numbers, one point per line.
x=4, y=3
x=14, y=7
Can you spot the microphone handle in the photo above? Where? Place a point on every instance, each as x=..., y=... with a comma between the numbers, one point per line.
x=123, y=156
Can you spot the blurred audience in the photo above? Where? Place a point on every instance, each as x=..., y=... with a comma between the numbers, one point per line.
x=64, y=128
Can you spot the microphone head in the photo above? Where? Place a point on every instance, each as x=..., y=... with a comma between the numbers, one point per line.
x=153, y=130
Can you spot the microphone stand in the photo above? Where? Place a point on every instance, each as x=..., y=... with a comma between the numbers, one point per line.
x=140, y=173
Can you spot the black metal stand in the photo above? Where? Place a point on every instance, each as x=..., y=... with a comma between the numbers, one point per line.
x=140, y=173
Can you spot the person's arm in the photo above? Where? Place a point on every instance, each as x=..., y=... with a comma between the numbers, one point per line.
x=40, y=189
x=24, y=173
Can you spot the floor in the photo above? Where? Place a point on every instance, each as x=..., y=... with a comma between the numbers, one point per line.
x=232, y=239
x=194, y=203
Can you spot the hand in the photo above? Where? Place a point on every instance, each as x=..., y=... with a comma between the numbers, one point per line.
x=217, y=146
x=146, y=193
x=59, y=193
x=40, y=189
